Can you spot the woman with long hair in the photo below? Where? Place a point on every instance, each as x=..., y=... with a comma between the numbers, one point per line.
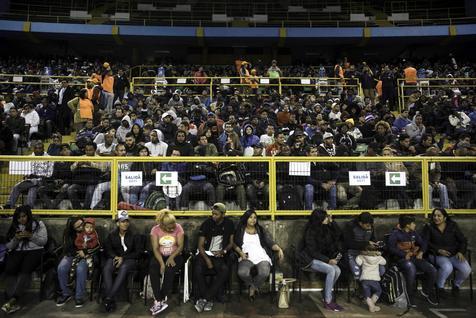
x=447, y=247
x=322, y=252
x=25, y=240
x=167, y=238
x=255, y=247
x=74, y=226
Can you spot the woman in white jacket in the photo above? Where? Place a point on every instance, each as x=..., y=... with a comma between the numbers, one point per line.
x=369, y=260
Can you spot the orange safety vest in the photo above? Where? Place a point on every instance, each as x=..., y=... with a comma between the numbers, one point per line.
x=108, y=84
x=410, y=75
x=86, y=108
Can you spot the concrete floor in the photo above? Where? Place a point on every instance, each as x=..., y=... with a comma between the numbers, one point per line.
x=311, y=306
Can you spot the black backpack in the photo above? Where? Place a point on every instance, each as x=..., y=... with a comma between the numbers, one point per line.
x=394, y=290
x=288, y=199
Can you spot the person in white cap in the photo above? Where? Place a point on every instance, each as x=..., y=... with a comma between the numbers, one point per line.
x=122, y=250
x=327, y=147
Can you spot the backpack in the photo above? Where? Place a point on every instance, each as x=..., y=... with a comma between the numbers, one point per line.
x=394, y=290
x=231, y=176
x=288, y=199
x=155, y=201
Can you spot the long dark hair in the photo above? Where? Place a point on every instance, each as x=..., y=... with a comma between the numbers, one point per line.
x=69, y=234
x=30, y=225
x=317, y=217
x=442, y=211
x=244, y=218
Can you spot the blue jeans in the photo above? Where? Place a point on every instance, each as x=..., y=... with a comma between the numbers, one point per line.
x=371, y=287
x=443, y=191
x=81, y=277
x=111, y=284
x=409, y=269
x=332, y=274
x=309, y=197
x=357, y=270
x=446, y=265
x=25, y=185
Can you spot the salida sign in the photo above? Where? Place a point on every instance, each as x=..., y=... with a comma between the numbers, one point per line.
x=359, y=178
x=131, y=178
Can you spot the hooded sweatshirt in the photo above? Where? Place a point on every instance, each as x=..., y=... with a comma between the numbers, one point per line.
x=122, y=131
x=158, y=149
x=249, y=140
x=186, y=149
x=370, y=261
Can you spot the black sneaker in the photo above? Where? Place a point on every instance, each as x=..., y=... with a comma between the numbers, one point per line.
x=442, y=293
x=79, y=303
x=455, y=290
x=62, y=300
x=429, y=297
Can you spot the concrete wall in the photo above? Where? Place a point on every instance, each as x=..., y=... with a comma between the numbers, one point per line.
x=285, y=231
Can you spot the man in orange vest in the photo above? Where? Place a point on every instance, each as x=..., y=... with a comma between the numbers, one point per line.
x=410, y=75
x=339, y=74
x=107, y=83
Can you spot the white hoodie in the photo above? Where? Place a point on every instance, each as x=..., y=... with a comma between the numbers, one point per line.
x=370, y=262
x=160, y=148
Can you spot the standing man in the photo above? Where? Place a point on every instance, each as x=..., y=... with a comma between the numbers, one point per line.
x=64, y=115
x=215, y=240
x=107, y=83
x=121, y=85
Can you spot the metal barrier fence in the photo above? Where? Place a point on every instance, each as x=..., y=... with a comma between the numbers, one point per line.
x=431, y=86
x=321, y=85
x=41, y=83
x=275, y=186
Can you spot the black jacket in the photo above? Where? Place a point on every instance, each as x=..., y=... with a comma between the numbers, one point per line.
x=113, y=246
x=356, y=238
x=264, y=238
x=321, y=243
x=451, y=240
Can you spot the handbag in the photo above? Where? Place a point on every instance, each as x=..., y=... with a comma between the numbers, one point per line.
x=284, y=293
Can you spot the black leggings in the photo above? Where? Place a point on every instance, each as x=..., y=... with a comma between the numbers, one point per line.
x=18, y=269
x=162, y=291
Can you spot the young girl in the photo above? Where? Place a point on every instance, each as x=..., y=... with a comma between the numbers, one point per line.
x=87, y=244
x=369, y=260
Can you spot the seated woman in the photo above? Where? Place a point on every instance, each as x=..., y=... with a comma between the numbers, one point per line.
x=74, y=226
x=447, y=247
x=322, y=252
x=255, y=248
x=25, y=240
x=122, y=251
x=167, y=239
x=407, y=247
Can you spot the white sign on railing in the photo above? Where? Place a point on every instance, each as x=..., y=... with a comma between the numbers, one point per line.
x=359, y=178
x=131, y=178
x=395, y=179
x=166, y=178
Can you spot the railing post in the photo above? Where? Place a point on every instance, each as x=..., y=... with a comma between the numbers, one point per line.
x=272, y=187
x=279, y=87
x=211, y=89
x=114, y=186
x=425, y=186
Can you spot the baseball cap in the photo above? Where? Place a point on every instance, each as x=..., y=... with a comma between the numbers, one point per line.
x=219, y=207
x=122, y=215
x=328, y=135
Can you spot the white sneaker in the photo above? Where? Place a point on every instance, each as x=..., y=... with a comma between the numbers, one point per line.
x=161, y=306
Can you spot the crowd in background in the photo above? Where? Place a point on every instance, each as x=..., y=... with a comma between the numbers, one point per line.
x=243, y=121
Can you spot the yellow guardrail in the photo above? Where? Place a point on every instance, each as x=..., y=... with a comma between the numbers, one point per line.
x=41, y=82
x=115, y=165
x=427, y=86
x=150, y=85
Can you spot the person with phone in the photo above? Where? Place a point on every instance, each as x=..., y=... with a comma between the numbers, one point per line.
x=322, y=252
x=26, y=239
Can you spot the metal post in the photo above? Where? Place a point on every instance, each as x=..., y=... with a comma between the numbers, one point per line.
x=114, y=186
x=272, y=187
x=425, y=186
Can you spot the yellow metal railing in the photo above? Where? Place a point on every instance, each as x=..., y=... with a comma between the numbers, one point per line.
x=41, y=82
x=115, y=163
x=150, y=85
x=427, y=86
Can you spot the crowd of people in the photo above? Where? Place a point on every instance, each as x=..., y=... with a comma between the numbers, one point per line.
x=109, y=120
x=436, y=250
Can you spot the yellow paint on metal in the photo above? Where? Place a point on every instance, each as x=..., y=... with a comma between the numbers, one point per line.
x=27, y=26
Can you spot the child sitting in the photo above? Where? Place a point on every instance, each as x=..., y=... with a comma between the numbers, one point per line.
x=87, y=244
x=370, y=259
